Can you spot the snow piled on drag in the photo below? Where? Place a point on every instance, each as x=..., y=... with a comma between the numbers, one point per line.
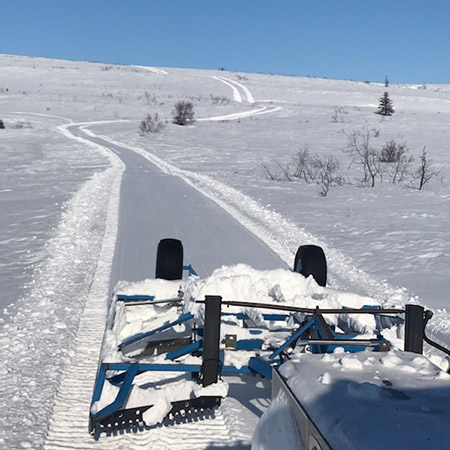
x=37, y=341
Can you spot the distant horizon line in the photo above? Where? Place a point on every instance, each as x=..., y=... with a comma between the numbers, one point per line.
x=226, y=70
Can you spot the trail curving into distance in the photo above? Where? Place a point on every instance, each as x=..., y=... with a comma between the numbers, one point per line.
x=247, y=92
x=237, y=97
x=241, y=115
x=235, y=86
x=153, y=69
x=236, y=94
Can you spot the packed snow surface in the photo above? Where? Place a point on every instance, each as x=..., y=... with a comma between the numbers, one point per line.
x=372, y=400
x=59, y=196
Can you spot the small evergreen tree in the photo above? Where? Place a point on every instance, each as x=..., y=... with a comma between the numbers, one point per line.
x=2, y=125
x=385, y=108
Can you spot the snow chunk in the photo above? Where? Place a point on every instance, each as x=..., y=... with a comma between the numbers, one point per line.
x=351, y=363
x=325, y=378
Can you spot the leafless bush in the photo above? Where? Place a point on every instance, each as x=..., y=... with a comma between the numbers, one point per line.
x=241, y=77
x=268, y=172
x=183, y=113
x=149, y=98
x=22, y=124
x=397, y=161
x=323, y=171
x=364, y=156
x=152, y=124
x=301, y=164
x=219, y=100
x=326, y=173
x=426, y=171
x=338, y=114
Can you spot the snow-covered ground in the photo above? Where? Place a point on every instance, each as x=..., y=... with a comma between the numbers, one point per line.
x=58, y=195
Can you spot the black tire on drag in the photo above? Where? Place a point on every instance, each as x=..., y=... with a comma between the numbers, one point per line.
x=310, y=260
x=169, y=259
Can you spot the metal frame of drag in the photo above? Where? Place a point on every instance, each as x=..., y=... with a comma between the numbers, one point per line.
x=311, y=330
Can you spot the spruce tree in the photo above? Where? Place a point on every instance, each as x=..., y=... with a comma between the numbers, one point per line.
x=2, y=125
x=385, y=108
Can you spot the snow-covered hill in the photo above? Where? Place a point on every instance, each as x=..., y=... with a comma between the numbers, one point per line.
x=58, y=195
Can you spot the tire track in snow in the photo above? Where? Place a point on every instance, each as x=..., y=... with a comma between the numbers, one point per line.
x=241, y=115
x=247, y=92
x=234, y=85
x=236, y=94
x=153, y=69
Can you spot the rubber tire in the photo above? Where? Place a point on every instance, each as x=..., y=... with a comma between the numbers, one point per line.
x=169, y=259
x=310, y=260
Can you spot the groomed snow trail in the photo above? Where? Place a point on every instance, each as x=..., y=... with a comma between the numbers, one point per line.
x=236, y=94
x=68, y=424
x=234, y=85
x=152, y=69
x=241, y=115
x=247, y=92
x=278, y=233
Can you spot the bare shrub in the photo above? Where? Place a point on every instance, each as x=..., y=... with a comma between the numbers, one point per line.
x=323, y=171
x=392, y=152
x=268, y=172
x=301, y=163
x=364, y=156
x=219, y=100
x=22, y=124
x=152, y=124
x=183, y=113
x=426, y=171
x=338, y=114
x=397, y=161
x=326, y=173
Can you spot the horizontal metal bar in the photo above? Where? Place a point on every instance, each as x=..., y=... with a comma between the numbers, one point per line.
x=155, y=367
x=311, y=310
x=272, y=317
x=153, y=302
x=226, y=370
x=134, y=298
x=364, y=342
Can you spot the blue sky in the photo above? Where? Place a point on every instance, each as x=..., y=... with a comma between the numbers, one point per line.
x=407, y=40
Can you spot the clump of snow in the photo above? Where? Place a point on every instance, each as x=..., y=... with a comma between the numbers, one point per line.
x=351, y=362
x=161, y=289
x=325, y=378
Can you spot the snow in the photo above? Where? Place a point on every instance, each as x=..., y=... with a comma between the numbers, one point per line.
x=277, y=428
x=400, y=393
x=59, y=196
